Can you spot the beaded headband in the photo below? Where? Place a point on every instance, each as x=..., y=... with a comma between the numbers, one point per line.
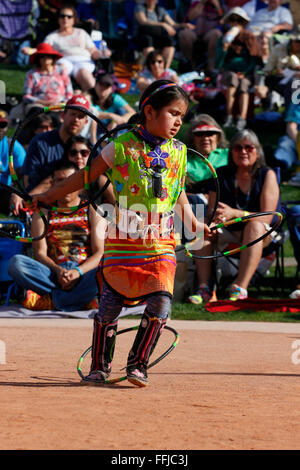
x=154, y=92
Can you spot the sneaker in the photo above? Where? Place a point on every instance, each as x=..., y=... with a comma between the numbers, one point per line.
x=95, y=377
x=228, y=122
x=34, y=301
x=203, y=295
x=137, y=375
x=30, y=299
x=237, y=293
x=295, y=180
x=240, y=124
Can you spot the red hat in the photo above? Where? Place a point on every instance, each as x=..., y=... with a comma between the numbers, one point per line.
x=3, y=116
x=80, y=101
x=45, y=49
x=206, y=128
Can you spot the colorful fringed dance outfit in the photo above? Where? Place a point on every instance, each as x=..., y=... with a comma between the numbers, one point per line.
x=139, y=259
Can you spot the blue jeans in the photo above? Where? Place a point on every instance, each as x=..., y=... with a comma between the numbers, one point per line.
x=33, y=275
x=286, y=151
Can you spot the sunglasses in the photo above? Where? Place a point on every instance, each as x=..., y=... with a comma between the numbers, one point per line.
x=66, y=16
x=158, y=61
x=205, y=134
x=3, y=124
x=83, y=152
x=248, y=148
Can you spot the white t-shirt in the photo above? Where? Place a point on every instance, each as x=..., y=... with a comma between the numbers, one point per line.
x=76, y=44
x=250, y=8
x=264, y=19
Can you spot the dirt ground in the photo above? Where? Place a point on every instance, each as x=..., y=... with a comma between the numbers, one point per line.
x=226, y=386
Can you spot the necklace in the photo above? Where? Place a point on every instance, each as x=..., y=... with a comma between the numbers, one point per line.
x=157, y=160
x=236, y=194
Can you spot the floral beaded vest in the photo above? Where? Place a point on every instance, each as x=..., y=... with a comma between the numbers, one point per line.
x=132, y=173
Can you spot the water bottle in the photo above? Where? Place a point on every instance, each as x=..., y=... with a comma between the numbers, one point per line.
x=231, y=34
x=265, y=263
x=97, y=38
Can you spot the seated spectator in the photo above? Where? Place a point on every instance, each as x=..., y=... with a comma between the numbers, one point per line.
x=283, y=66
x=46, y=84
x=273, y=19
x=208, y=138
x=206, y=17
x=77, y=151
x=252, y=6
x=154, y=70
x=76, y=46
x=42, y=123
x=19, y=155
x=155, y=29
x=110, y=107
x=247, y=185
x=62, y=275
x=286, y=153
x=17, y=28
x=47, y=148
x=236, y=57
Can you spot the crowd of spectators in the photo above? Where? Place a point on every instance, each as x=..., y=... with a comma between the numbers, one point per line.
x=248, y=52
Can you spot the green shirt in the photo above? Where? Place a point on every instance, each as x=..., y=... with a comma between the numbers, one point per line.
x=198, y=171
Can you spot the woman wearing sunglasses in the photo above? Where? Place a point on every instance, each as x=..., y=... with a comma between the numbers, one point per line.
x=77, y=150
x=155, y=69
x=247, y=186
x=207, y=137
x=77, y=47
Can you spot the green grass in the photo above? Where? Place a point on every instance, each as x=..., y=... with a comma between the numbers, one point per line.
x=13, y=78
x=194, y=312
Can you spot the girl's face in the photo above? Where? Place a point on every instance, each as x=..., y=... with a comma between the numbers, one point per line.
x=206, y=142
x=46, y=61
x=166, y=122
x=103, y=91
x=244, y=154
x=157, y=66
x=79, y=154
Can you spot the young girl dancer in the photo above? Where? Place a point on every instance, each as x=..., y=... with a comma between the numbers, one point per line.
x=148, y=169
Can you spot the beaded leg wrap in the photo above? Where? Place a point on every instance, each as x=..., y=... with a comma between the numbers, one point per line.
x=104, y=340
x=145, y=341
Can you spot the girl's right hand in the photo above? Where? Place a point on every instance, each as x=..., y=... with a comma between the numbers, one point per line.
x=16, y=203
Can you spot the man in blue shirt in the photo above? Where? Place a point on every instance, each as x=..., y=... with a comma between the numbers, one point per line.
x=47, y=148
x=19, y=154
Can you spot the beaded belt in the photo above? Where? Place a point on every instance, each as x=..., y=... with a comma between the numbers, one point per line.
x=144, y=225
